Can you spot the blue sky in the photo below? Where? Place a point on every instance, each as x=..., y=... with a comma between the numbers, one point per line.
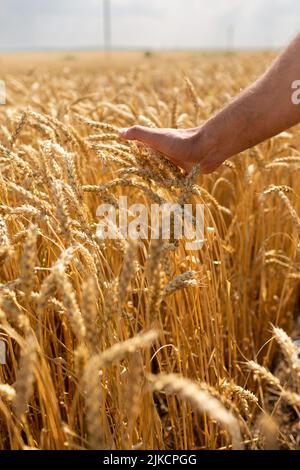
x=67, y=24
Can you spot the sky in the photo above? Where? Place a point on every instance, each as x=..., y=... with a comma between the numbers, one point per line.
x=148, y=24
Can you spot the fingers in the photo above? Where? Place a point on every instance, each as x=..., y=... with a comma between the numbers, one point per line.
x=175, y=145
x=158, y=139
x=146, y=135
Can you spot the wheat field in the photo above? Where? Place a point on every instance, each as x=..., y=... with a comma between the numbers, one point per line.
x=112, y=344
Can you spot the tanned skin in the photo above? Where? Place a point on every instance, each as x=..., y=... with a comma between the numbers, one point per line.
x=261, y=111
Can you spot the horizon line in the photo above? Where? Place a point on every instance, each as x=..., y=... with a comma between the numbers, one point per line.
x=140, y=49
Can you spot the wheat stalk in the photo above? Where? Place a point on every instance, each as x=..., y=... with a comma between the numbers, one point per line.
x=200, y=400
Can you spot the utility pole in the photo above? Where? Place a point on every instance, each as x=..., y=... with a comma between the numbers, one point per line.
x=107, y=24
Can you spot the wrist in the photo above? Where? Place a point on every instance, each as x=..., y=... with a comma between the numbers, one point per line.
x=211, y=146
x=208, y=140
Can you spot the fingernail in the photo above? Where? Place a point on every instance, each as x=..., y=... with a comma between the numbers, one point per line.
x=123, y=132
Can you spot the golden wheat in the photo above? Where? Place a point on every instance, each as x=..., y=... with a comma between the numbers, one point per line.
x=73, y=307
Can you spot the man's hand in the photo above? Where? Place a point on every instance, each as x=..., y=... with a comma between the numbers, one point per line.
x=184, y=147
x=261, y=111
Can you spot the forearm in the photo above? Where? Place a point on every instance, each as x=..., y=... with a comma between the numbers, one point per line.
x=260, y=112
